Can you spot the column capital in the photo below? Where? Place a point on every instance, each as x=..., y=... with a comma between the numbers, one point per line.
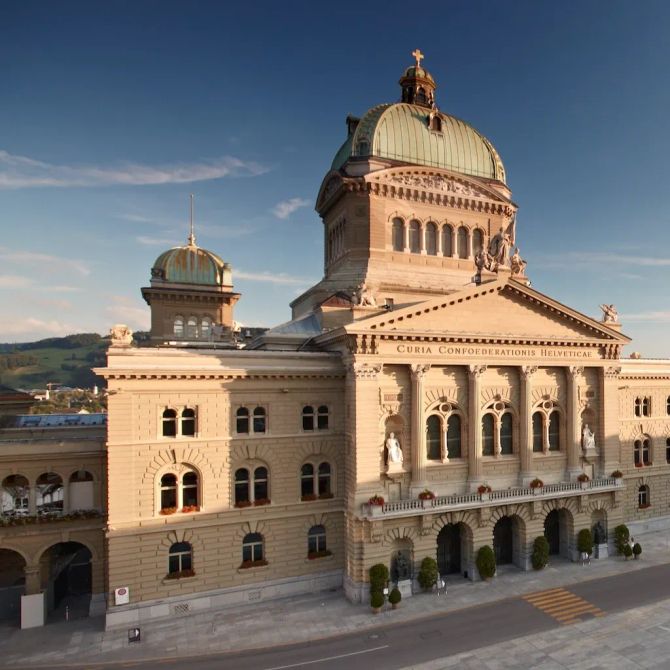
x=575, y=370
x=527, y=371
x=418, y=370
x=611, y=372
x=365, y=371
x=476, y=371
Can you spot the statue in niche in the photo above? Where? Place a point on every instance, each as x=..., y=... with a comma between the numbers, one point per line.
x=363, y=297
x=400, y=566
x=393, y=450
x=599, y=533
x=517, y=263
x=610, y=314
x=588, y=438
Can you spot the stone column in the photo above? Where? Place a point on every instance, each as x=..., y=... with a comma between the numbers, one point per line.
x=422, y=239
x=474, y=426
x=418, y=428
x=573, y=440
x=406, y=234
x=606, y=429
x=33, y=580
x=526, y=473
x=470, y=241
x=454, y=242
x=438, y=241
x=32, y=499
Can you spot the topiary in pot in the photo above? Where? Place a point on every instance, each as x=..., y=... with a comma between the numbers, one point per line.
x=585, y=541
x=637, y=550
x=376, y=601
x=621, y=537
x=428, y=573
x=627, y=551
x=540, y=555
x=395, y=597
x=379, y=577
x=486, y=562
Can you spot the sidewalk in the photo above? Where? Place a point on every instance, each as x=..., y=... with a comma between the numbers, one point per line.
x=301, y=618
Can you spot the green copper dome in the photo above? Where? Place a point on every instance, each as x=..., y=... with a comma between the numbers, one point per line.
x=403, y=132
x=191, y=265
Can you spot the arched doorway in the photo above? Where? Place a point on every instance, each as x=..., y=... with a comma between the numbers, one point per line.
x=503, y=541
x=449, y=541
x=67, y=577
x=12, y=585
x=558, y=530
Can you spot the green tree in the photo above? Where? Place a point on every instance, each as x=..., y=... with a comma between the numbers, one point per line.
x=486, y=562
x=428, y=573
x=540, y=555
x=585, y=541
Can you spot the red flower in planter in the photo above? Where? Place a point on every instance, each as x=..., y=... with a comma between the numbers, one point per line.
x=426, y=494
x=376, y=500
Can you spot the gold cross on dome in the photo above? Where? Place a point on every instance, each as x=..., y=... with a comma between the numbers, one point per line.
x=419, y=56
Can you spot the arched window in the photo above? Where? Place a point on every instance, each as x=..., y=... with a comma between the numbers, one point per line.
x=242, y=420
x=252, y=549
x=307, y=481
x=477, y=241
x=316, y=542
x=646, y=407
x=324, y=479
x=667, y=406
x=308, y=418
x=178, y=327
x=431, y=239
x=363, y=148
x=414, y=237
x=488, y=438
x=506, y=434
x=435, y=123
x=447, y=233
x=454, y=436
x=189, y=492
x=259, y=420
x=398, y=235
x=538, y=437
x=188, y=422
x=641, y=452
x=205, y=328
x=169, y=423
x=322, y=417
x=49, y=488
x=15, y=495
x=242, y=497
x=638, y=406
x=169, y=493
x=261, y=486
x=554, y=431
x=643, y=497
x=434, y=438
x=192, y=327
x=462, y=242
x=180, y=560
x=421, y=96
x=81, y=476
x=667, y=450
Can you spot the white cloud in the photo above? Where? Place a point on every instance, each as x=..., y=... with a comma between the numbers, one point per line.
x=30, y=328
x=14, y=281
x=23, y=172
x=278, y=278
x=658, y=316
x=128, y=311
x=592, y=259
x=284, y=209
x=32, y=258
x=156, y=241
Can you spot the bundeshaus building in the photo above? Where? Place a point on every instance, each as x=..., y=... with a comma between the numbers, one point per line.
x=423, y=400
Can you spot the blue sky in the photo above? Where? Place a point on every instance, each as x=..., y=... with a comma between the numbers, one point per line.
x=112, y=113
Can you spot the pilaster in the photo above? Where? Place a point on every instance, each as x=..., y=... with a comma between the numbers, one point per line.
x=573, y=440
x=608, y=442
x=474, y=425
x=526, y=474
x=418, y=372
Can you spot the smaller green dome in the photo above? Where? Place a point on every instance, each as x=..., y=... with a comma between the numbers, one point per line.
x=191, y=265
x=415, y=72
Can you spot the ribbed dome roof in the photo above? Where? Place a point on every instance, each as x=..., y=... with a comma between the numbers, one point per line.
x=191, y=265
x=402, y=132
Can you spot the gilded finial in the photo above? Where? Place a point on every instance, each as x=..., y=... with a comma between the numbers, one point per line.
x=419, y=56
x=191, y=237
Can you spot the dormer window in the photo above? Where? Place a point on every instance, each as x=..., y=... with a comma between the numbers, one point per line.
x=363, y=148
x=435, y=123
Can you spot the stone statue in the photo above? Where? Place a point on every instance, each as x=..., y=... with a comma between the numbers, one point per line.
x=483, y=260
x=400, y=568
x=121, y=335
x=499, y=247
x=364, y=297
x=588, y=438
x=393, y=449
x=610, y=314
x=599, y=533
x=517, y=263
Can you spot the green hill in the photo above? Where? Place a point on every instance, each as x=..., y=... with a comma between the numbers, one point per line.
x=65, y=361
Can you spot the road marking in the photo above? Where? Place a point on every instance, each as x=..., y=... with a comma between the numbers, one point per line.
x=326, y=658
x=562, y=605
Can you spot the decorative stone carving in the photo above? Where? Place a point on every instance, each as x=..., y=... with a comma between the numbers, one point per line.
x=575, y=370
x=610, y=314
x=476, y=370
x=365, y=370
x=436, y=183
x=611, y=372
x=527, y=371
x=419, y=370
x=364, y=297
x=121, y=335
x=517, y=264
x=588, y=438
x=499, y=247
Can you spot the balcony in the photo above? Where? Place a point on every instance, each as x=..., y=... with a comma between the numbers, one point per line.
x=453, y=503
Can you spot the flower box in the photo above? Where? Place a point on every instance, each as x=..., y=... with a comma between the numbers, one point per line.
x=537, y=483
x=638, y=465
x=644, y=506
x=180, y=574
x=253, y=564
x=326, y=496
x=617, y=474
x=484, y=490
x=313, y=555
x=426, y=494
x=168, y=510
x=76, y=515
x=243, y=503
x=261, y=501
x=376, y=501
x=188, y=509
x=309, y=497
x=583, y=478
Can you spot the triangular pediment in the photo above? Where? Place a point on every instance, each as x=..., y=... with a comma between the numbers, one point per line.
x=499, y=311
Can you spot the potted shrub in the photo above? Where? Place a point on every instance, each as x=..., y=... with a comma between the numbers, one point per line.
x=583, y=479
x=540, y=556
x=627, y=551
x=379, y=577
x=637, y=550
x=617, y=474
x=537, y=483
x=426, y=494
x=484, y=490
x=376, y=601
x=585, y=541
x=395, y=597
x=486, y=562
x=427, y=576
x=376, y=505
x=621, y=537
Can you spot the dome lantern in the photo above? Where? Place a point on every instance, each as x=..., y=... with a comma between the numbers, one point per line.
x=418, y=86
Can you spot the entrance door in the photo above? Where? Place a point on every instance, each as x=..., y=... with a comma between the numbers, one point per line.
x=552, y=531
x=503, y=541
x=449, y=550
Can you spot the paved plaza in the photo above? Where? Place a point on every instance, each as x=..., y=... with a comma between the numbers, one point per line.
x=635, y=638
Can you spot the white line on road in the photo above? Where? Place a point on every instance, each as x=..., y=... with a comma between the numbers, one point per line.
x=327, y=658
x=664, y=628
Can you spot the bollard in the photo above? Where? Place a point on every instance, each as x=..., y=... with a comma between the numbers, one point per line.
x=67, y=613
